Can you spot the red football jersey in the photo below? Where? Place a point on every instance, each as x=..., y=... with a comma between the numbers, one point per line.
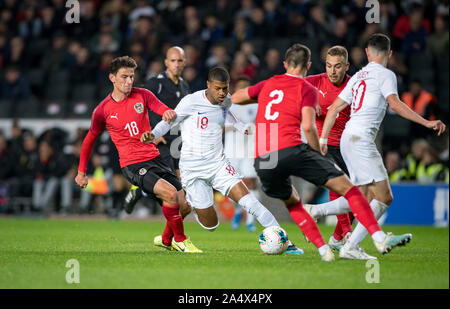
x=327, y=94
x=280, y=102
x=125, y=122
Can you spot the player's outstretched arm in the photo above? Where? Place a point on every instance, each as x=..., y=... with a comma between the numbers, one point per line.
x=242, y=97
x=337, y=106
x=86, y=149
x=403, y=110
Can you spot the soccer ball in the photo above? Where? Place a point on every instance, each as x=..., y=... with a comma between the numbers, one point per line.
x=273, y=240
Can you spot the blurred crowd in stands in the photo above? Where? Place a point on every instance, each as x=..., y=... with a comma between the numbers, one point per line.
x=50, y=68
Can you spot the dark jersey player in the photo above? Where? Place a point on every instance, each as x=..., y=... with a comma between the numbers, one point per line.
x=329, y=85
x=123, y=113
x=170, y=88
x=286, y=103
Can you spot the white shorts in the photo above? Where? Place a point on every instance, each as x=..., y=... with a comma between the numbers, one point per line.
x=200, y=181
x=363, y=160
x=244, y=166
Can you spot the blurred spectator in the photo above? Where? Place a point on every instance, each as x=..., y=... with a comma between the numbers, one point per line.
x=249, y=50
x=271, y=66
x=388, y=13
x=116, y=11
x=245, y=11
x=429, y=170
x=50, y=168
x=31, y=25
x=54, y=58
x=171, y=12
x=49, y=24
x=219, y=57
x=241, y=30
x=15, y=87
x=437, y=42
x=357, y=60
x=17, y=54
x=193, y=78
x=6, y=159
x=82, y=72
x=213, y=31
x=415, y=39
x=25, y=168
x=225, y=9
x=422, y=102
x=143, y=8
x=403, y=25
x=418, y=149
x=318, y=26
x=258, y=24
x=273, y=20
x=241, y=67
x=296, y=28
x=155, y=68
x=393, y=168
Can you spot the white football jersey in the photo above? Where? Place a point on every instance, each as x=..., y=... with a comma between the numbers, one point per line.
x=367, y=92
x=237, y=144
x=201, y=125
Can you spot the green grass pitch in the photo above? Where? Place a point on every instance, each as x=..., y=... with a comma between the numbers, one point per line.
x=120, y=254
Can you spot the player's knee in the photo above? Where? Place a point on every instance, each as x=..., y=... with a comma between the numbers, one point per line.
x=388, y=199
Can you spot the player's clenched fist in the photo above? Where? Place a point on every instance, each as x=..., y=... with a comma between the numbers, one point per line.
x=436, y=125
x=169, y=115
x=81, y=179
x=147, y=137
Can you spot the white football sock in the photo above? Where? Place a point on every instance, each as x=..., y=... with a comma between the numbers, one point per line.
x=254, y=207
x=323, y=249
x=250, y=219
x=360, y=231
x=335, y=207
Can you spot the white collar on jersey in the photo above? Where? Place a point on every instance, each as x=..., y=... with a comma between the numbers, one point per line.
x=292, y=75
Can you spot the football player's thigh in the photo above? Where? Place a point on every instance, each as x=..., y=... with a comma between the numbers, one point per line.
x=225, y=178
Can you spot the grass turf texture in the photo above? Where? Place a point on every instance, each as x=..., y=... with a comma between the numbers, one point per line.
x=120, y=254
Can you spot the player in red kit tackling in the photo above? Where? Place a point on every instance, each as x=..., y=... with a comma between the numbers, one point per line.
x=329, y=85
x=286, y=103
x=124, y=115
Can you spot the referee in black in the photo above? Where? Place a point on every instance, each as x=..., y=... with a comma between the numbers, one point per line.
x=169, y=87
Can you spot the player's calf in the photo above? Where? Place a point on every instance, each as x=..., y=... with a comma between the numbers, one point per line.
x=207, y=218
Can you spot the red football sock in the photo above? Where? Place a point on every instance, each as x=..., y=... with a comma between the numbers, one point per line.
x=361, y=210
x=344, y=224
x=167, y=235
x=175, y=221
x=306, y=224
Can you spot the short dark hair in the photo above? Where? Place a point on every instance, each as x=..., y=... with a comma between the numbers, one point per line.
x=122, y=62
x=218, y=74
x=297, y=55
x=380, y=42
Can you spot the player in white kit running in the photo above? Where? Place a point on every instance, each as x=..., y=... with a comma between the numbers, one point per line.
x=368, y=92
x=203, y=165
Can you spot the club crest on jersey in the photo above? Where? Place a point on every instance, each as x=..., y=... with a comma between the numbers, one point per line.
x=139, y=108
x=142, y=171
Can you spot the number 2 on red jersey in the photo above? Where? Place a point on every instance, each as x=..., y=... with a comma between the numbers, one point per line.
x=278, y=97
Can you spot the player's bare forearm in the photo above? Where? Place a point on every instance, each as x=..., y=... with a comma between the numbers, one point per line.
x=313, y=138
x=404, y=111
x=337, y=106
x=241, y=97
x=309, y=127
